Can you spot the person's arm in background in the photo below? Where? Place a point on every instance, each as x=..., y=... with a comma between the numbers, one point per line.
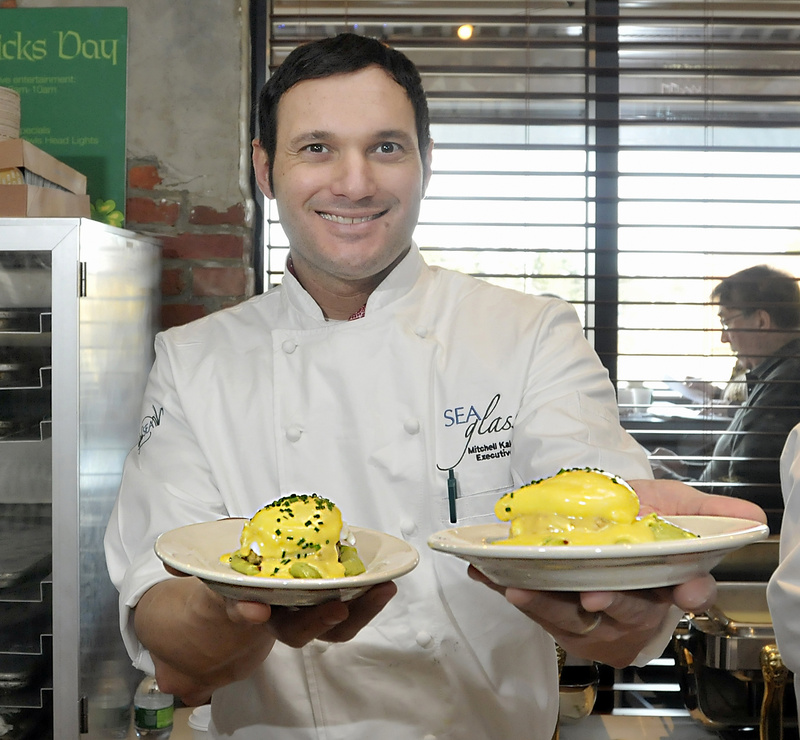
x=783, y=590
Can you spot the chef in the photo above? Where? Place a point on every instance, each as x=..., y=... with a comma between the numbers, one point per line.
x=783, y=589
x=371, y=378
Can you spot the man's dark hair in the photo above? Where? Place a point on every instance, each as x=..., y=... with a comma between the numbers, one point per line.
x=347, y=52
x=762, y=287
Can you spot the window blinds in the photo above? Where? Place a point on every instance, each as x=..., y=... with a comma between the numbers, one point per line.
x=625, y=156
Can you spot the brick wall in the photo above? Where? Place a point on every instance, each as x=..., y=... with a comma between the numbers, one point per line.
x=206, y=253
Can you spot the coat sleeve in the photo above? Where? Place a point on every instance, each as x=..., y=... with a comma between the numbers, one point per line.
x=783, y=590
x=569, y=416
x=166, y=483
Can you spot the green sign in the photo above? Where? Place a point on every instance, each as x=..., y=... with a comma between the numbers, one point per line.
x=69, y=67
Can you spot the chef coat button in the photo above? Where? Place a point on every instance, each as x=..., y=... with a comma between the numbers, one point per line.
x=293, y=434
x=289, y=346
x=408, y=526
x=421, y=332
x=424, y=639
x=411, y=426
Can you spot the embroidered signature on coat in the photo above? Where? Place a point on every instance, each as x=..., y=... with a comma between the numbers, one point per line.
x=149, y=423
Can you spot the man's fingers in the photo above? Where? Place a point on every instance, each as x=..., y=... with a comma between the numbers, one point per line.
x=297, y=627
x=361, y=611
x=174, y=572
x=247, y=611
x=334, y=621
x=476, y=575
x=668, y=497
x=696, y=595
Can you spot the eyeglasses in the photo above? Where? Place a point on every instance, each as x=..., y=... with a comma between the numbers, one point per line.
x=726, y=322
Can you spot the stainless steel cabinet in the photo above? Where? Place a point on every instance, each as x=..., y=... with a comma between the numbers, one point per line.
x=78, y=311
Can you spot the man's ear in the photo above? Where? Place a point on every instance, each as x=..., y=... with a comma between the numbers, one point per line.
x=261, y=168
x=764, y=319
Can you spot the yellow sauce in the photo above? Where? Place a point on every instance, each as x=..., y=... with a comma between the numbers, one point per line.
x=298, y=528
x=579, y=507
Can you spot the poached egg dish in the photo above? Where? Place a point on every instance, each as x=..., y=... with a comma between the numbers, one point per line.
x=297, y=536
x=580, y=506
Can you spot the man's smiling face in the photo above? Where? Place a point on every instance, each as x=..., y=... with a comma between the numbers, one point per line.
x=347, y=175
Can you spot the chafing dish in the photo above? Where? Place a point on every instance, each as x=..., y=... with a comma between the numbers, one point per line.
x=755, y=562
x=730, y=673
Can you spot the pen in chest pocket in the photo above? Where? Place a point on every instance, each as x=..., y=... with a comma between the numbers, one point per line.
x=452, y=494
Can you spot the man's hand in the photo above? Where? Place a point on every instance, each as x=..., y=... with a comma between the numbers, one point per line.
x=333, y=621
x=200, y=641
x=671, y=497
x=613, y=627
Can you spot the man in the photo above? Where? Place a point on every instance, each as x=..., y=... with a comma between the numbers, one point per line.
x=366, y=377
x=759, y=309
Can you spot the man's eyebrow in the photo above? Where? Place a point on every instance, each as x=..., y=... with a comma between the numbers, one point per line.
x=397, y=134
x=309, y=136
x=386, y=135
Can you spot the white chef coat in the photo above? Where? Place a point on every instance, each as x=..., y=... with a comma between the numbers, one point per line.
x=783, y=589
x=444, y=372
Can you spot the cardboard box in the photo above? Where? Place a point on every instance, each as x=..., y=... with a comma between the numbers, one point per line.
x=28, y=200
x=35, y=200
x=24, y=155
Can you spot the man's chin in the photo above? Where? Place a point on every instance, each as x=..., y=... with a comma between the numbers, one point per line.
x=366, y=264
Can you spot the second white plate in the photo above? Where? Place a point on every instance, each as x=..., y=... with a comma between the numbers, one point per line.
x=601, y=568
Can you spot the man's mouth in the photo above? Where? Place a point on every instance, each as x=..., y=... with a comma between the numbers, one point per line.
x=348, y=221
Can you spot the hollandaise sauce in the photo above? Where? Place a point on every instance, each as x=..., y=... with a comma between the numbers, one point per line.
x=580, y=506
x=297, y=536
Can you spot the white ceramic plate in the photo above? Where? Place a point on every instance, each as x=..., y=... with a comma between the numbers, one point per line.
x=196, y=550
x=600, y=568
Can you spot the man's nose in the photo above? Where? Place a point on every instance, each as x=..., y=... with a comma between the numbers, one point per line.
x=724, y=338
x=354, y=177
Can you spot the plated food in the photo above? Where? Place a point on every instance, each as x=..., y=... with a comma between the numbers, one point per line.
x=578, y=532
x=195, y=550
x=580, y=506
x=297, y=536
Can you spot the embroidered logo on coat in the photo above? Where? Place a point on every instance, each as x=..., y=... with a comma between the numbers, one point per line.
x=149, y=423
x=476, y=428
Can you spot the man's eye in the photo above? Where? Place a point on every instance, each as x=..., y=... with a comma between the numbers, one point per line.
x=388, y=147
x=316, y=148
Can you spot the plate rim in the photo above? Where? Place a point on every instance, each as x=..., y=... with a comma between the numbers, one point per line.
x=265, y=583
x=445, y=541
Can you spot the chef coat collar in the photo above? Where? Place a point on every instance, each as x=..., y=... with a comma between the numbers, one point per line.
x=393, y=287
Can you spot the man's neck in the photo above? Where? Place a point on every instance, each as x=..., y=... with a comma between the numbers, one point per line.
x=339, y=299
x=772, y=348
x=338, y=302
